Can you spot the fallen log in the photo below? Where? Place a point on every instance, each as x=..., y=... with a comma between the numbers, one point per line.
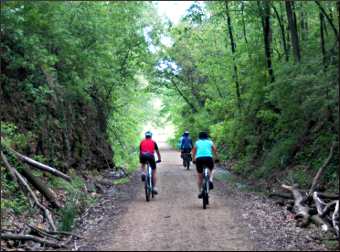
x=41, y=187
x=301, y=211
x=328, y=196
x=41, y=166
x=322, y=207
x=13, y=171
x=47, y=213
x=318, y=203
x=42, y=233
x=9, y=167
x=320, y=222
x=8, y=236
x=55, y=232
x=281, y=195
x=288, y=196
x=335, y=218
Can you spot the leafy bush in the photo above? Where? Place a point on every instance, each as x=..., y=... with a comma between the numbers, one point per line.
x=77, y=199
x=11, y=136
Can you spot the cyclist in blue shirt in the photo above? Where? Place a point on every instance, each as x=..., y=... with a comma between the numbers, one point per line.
x=203, y=157
x=186, y=145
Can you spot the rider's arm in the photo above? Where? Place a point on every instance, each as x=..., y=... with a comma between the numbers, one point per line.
x=194, y=153
x=215, y=151
x=157, y=151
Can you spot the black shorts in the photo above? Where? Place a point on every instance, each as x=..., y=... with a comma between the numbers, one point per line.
x=186, y=150
x=202, y=162
x=148, y=158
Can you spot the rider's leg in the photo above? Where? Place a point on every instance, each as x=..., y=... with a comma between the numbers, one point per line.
x=210, y=163
x=142, y=168
x=154, y=175
x=143, y=172
x=199, y=168
x=199, y=181
x=211, y=175
x=182, y=156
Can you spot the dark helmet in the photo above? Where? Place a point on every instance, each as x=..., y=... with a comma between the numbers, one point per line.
x=186, y=133
x=148, y=134
x=203, y=135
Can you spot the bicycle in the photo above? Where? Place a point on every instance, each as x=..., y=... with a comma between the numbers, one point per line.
x=148, y=186
x=205, y=187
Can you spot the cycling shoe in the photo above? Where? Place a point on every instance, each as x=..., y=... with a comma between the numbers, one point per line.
x=211, y=185
x=143, y=177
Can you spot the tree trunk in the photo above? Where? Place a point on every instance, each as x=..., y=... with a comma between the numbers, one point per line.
x=193, y=108
x=322, y=40
x=244, y=24
x=265, y=16
x=293, y=31
x=303, y=22
x=338, y=8
x=233, y=50
x=287, y=31
x=283, y=35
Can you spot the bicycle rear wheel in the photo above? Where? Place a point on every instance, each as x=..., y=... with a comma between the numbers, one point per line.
x=205, y=192
x=205, y=199
x=148, y=183
x=147, y=191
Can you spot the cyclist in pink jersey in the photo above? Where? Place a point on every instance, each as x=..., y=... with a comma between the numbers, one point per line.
x=147, y=150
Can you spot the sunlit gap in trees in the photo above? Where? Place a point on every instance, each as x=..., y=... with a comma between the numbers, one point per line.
x=162, y=130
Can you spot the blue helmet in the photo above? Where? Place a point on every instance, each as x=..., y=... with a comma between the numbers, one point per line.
x=148, y=134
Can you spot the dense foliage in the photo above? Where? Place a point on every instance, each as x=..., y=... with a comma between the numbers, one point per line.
x=262, y=77
x=74, y=75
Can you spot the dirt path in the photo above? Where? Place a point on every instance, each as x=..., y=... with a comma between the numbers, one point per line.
x=175, y=220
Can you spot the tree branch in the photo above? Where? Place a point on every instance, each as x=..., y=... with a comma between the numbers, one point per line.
x=318, y=174
x=328, y=19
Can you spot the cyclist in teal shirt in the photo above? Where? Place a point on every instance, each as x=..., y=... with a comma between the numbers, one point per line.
x=202, y=153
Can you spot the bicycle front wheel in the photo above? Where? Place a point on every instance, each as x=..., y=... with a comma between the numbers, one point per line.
x=205, y=193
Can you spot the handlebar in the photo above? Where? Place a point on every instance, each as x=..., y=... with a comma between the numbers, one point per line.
x=158, y=161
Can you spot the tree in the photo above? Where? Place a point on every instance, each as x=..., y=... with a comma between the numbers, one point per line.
x=293, y=31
